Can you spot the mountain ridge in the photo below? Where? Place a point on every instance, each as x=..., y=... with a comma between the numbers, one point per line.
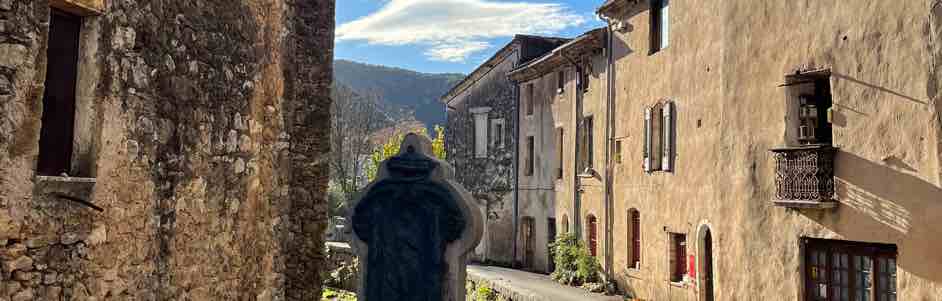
x=398, y=87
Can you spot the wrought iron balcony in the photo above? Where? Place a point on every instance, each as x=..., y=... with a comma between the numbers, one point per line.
x=804, y=176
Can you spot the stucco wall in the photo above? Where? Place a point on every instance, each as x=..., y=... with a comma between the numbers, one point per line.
x=202, y=124
x=722, y=69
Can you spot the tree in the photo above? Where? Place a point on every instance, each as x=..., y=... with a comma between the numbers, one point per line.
x=391, y=148
x=355, y=118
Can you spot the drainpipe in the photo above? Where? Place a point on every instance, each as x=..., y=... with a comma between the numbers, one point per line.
x=577, y=114
x=516, y=170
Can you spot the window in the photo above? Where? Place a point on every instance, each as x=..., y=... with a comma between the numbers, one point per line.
x=592, y=225
x=528, y=241
x=844, y=270
x=480, y=131
x=559, y=153
x=529, y=101
x=634, y=239
x=530, y=157
x=585, y=144
x=660, y=25
x=497, y=133
x=584, y=74
x=58, y=119
x=565, y=224
x=810, y=102
x=560, y=81
x=678, y=257
x=659, y=137
x=617, y=151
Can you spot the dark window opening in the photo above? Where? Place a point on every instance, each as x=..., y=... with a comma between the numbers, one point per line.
x=528, y=242
x=530, y=154
x=530, y=100
x=551, y=235
x=560, y=81
x=678, y=260
x=844, y=270
x=586, y=144
x=813, y=124
x=58, y=119
x=559, y=153
x=634, y=253
x=592, y=224
x=660, y=25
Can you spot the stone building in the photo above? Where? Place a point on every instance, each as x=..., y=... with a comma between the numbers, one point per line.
x=163, y=150
x=562, y=100
x=766, y=149
x=481, y=143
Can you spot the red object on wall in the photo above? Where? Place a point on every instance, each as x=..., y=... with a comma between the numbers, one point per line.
x=692, y=266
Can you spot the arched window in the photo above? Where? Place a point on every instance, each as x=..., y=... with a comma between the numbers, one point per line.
x=634, y=239
x=592, y=225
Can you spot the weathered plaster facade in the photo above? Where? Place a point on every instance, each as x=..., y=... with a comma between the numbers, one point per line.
x=200, y=130
x=722, y=70
x=488, y=94
x=547, y=195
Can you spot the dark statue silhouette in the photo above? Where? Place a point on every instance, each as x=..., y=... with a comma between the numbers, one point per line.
x=407, y=220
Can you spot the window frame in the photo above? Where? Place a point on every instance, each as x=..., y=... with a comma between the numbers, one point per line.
x=57, y=137
x=678, y=258
x=659, y=25
x=531, y=155
x=872, y=252
x=586, y=143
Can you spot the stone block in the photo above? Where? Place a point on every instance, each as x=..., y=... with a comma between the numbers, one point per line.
x=70, y=238
x=13, y=251
x=21, y=263
x=24, y=295
x=12, y=55
x=80, y=7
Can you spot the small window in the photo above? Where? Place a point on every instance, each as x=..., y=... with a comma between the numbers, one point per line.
x=560, y=81
x=497, y=133
x=584, y=76
x=530, y=156
x=57, y=134
x=529, y=101
x=678, y=254
x=565, y=224
x=586, y=147
x=667, y=136
x=660, y=25
x=559, y=153
x=480, y=136
x=592, y=226
x=617, y=151
x=634, y=239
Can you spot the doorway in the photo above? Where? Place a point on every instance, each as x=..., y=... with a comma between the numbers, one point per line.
x=706, y=266
x=551, y=237
x=528, y=243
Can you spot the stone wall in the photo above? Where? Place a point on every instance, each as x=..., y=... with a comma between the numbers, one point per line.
x=199, y=135
x=490, y=180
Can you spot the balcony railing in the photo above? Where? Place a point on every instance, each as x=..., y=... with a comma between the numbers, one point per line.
x=804, y=176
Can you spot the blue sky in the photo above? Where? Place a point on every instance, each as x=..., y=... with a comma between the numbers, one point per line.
x=438, y=36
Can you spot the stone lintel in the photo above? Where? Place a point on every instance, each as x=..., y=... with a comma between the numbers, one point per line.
x=83, y=8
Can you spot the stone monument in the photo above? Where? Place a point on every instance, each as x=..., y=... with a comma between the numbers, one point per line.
x=412, y=228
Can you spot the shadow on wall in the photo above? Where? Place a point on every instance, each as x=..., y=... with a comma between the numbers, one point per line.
x=878, y=88
x=880, y=202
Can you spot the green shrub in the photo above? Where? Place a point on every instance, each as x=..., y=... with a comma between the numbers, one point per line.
x=484, y=293
x=574, y=264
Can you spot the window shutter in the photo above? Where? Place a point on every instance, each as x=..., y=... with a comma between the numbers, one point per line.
x=647, y=139
x=667, y=130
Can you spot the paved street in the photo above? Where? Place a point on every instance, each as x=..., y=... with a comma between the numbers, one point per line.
x=525, y=286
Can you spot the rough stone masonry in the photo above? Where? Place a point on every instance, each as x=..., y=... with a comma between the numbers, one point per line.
x=197, y=167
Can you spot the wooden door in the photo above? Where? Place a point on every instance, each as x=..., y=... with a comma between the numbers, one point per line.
x=707, y=266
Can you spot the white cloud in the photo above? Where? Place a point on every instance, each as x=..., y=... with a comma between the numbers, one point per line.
x=452, y=30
